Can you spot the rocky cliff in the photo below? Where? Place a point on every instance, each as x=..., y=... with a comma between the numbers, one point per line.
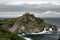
x=28, y=23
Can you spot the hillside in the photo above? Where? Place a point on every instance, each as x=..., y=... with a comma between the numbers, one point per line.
x=27, y=23
x=7, y=35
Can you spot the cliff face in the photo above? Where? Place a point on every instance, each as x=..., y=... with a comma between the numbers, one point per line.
x=28, y=23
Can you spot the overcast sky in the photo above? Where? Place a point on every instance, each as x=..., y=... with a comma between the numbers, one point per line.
x=41, y=8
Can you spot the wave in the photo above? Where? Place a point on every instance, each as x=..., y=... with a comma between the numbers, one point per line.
x=24, y=37
x=27, y=38
x=59, y=29
x=43, y=32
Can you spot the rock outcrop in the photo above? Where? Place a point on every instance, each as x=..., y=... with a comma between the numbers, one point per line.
x=28, y=23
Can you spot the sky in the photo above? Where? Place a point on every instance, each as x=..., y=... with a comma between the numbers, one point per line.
x=41, y=8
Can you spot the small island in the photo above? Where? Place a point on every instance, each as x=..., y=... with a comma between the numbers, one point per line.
x=27, y=23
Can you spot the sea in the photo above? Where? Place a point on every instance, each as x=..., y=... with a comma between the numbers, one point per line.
x=54, y=36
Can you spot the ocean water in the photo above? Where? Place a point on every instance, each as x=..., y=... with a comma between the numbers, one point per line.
x=54, y=36
x=55, y=21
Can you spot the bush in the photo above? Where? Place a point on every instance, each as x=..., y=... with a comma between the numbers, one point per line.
x=7, y=35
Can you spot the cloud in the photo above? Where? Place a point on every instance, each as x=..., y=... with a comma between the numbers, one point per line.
x=11, y=14
x=38, y=8
x=17, y=2
x=48, y=14
x=43, y=9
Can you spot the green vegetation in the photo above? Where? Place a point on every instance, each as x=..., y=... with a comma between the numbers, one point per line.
x=5, y=20
x=7, y=35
